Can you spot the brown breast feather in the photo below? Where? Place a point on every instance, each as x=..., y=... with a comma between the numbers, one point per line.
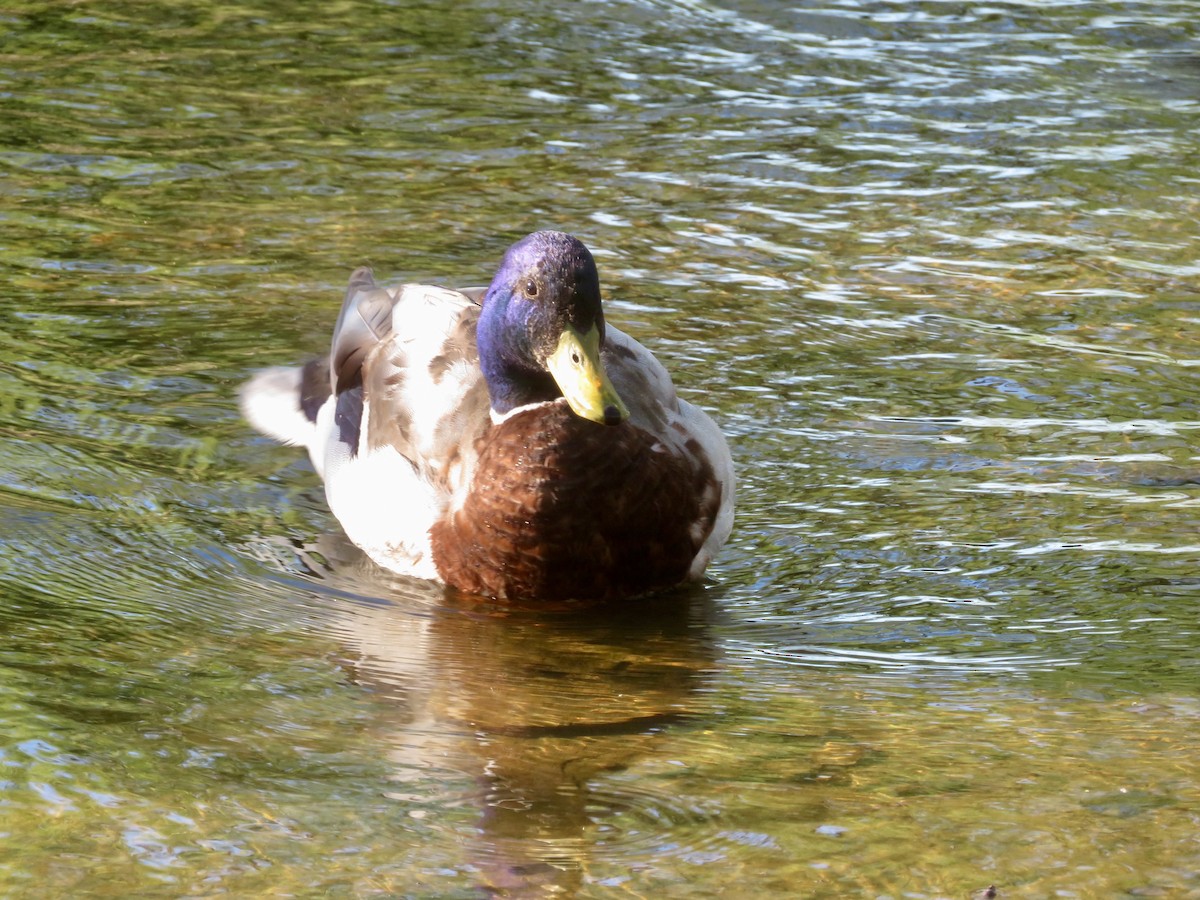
x=563, y=508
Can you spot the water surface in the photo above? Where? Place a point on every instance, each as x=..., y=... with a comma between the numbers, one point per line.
x=932, y=266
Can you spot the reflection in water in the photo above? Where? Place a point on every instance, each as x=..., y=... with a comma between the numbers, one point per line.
x=536, y=708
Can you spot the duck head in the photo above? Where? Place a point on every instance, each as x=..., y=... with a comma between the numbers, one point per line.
x=542, y=327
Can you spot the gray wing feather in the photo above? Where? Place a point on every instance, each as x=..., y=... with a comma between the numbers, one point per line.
x=365, y=320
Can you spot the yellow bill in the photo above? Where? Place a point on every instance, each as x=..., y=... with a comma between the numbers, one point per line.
x=576, y=367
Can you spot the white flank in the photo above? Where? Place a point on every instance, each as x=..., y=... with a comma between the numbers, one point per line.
x=384, y=505
x=705, y=430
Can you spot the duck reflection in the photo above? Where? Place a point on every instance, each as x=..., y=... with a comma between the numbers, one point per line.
x=537, y=707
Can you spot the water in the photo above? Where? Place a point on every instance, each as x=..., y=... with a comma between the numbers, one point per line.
x=932, y=267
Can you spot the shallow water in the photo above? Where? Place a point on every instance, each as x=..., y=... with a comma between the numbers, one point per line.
x=930, y=265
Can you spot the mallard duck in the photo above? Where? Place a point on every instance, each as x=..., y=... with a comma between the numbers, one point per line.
x=507, y=442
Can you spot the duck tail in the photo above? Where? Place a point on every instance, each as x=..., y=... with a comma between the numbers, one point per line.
x=282, y=402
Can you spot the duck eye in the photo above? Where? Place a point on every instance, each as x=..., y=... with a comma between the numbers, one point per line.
x=531, y=288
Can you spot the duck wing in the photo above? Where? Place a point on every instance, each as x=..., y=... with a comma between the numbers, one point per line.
x=364, y=321
x=684, y=429
x=404, y=370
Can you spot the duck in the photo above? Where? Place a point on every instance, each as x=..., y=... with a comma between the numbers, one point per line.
x=507, y=442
